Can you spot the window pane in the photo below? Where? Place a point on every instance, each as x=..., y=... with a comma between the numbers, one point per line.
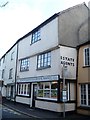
x=47, y=93
x=28, y=89
x=83, y=94
x=22, y=89
x=25, y=89
x=47, y=85
x=54, y=88
x=40, y=93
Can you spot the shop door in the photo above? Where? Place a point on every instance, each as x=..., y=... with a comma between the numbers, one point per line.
x=34, y=94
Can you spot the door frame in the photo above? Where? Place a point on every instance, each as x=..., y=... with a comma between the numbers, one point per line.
x=33, y=95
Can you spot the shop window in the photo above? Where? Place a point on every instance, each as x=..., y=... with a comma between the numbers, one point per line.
x=47, y=90
x=23, y=89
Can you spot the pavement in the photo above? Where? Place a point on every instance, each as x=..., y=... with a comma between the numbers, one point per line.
x=40, y=114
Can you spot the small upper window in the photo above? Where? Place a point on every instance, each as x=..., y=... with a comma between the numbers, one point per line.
x=24, y=65
x=0, y=62
x=3, y=59
x=35, y=36
x=11, y=73
x=87, y=56
x=12, y=55
x=3, y=71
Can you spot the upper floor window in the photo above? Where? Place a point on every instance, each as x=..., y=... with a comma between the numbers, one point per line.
x=87, y=56
x=3, y=71
x=24, y=65
x=44, y=60
x=12, y=55
x=3, y=59
x=0, y=62
x=35, y=36
x=11, y=73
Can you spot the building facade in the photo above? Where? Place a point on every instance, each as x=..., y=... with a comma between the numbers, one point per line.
x=40, y=65
x=43, y=71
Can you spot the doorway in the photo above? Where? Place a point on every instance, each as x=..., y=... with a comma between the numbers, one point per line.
x=11, y=92
x=34, y=94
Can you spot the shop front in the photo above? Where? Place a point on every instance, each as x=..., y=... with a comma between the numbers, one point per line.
x=45, y=92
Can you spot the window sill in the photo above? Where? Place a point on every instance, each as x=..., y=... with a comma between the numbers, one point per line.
x=34, y=42
x=24, y=70
x=28, y=96
x=43, y=68
x=47, y=99
x=86, y=66
x=10, y=78
x=84, y=107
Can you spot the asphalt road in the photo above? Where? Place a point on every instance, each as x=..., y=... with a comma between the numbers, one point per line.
x=8, y=114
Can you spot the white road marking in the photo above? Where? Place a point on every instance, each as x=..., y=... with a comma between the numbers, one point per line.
x=10, y=111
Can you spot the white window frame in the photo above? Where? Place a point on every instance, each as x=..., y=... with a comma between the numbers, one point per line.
x=45, y=89
x=86, y=56
x=36, y=36
x=44, y=60
x=24, y=65
x=22, y=91
x=86, y=87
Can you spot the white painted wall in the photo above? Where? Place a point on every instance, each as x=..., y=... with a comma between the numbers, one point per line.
x=57, y=107
x=23, y=100
x=33, y=72
x=49, y=39
x=10, y=64
x=56, y=66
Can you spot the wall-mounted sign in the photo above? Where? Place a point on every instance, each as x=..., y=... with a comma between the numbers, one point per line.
x=68, y=61
x=64, y=95
x=39, y=78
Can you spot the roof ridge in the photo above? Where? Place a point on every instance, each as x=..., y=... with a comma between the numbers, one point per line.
x=70, y=8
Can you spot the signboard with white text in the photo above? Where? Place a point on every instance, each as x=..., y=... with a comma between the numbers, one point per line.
x=68, y=58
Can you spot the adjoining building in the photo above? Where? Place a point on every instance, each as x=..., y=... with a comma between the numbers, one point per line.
x=43, y=59
x=8, y=72
x=83, y=81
